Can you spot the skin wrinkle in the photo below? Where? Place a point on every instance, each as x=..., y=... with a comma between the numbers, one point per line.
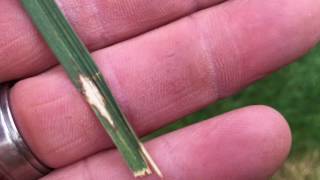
x=209, y=43
x=48, y=103
x=5, y=46
x=47, y=98
x=32, y=52
x=205, y=46
x=27, y=42
x=232, y=58
x=76, y=140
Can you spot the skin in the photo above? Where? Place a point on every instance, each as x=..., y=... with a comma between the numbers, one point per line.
x=163, y=60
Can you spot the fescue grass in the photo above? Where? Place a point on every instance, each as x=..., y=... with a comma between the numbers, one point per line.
x=86, y=77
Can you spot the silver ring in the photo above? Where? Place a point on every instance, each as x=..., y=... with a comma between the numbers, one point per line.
x=17, y=162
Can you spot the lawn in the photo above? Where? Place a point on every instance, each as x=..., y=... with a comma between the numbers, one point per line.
x=294, y=91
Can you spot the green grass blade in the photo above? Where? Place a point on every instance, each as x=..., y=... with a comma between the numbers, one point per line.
x=83, y=72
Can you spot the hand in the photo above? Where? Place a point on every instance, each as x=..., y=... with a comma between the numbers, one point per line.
x=159, y=73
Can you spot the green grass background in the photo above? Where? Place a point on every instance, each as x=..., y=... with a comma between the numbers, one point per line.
x=294, y=91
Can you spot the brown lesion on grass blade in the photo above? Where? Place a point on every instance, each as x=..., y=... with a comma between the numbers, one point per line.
x=95, y=98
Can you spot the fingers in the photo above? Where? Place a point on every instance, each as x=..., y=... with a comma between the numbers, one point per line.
x=249, y=143
x=166, y=74
x=98, y=22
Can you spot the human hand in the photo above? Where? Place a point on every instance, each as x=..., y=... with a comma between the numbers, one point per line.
x=158, y=77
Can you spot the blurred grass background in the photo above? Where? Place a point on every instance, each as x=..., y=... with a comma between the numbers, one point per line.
x=294, y=91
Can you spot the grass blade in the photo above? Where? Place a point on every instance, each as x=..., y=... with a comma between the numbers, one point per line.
x=83, y=72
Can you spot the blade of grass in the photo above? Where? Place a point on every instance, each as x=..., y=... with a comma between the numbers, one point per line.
x=86, y=77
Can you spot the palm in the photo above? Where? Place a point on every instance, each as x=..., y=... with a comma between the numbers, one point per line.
x=159, y=75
